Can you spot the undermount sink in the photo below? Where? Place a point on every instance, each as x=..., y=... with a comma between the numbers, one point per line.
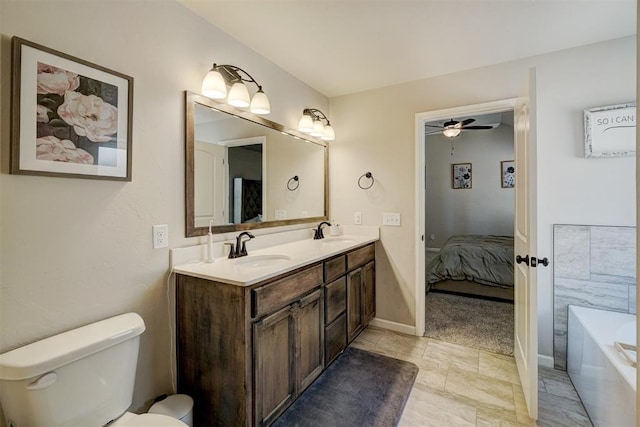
x=258, y=261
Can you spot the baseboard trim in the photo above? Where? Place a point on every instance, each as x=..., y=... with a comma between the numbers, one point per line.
x=545, y=361
x=393, y=326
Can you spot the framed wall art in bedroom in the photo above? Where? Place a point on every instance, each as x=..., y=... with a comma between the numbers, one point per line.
x=461, y=176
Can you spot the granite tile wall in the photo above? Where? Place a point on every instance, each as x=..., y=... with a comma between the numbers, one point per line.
x=594, y=266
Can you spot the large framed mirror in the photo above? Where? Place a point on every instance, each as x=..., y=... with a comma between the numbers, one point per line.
x=245, y=172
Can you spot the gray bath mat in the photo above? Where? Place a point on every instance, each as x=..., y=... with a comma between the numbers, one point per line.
x=359, y=389
x=473, y=322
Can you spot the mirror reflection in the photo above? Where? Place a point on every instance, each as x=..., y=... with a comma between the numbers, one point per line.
x=243, y=171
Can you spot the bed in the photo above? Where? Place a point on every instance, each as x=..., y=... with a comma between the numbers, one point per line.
x=479, y=265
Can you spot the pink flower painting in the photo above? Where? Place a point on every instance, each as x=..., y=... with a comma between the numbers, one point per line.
x=55, y=80
x=90, y=116
x=75, y=116
x=56, y=150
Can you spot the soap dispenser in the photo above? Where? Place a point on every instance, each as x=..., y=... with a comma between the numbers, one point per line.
x=334, y=230
x=209, y=258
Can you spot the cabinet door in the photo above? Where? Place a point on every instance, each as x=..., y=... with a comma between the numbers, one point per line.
x=310, y=332
x=369, y=293
x=335, y=337
x=354, y=303
x=274, y=364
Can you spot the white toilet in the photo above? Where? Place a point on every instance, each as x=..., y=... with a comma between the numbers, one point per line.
x=83, y=377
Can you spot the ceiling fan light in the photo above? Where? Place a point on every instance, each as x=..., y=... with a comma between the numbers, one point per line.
x=305, y=124
x=318, y=128
x=451, y=132
x=239, y=95
x=213, y=85
x=260, y=103
x=329, y=133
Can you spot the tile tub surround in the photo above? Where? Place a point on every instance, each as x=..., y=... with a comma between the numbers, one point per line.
x=594, y=266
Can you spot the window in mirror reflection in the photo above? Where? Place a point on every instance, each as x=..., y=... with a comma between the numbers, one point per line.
x=242, y=169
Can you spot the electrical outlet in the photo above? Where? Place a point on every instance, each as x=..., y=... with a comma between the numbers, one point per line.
x=160, y=236
x=357, y=218
x=392, y=219
x=279, y=214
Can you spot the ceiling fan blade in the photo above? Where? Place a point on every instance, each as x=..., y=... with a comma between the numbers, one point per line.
x=467, y=121
x=433, y=126
x=478, y=127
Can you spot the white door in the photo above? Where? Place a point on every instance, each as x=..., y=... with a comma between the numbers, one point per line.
x=526, y=290
x=210, y=182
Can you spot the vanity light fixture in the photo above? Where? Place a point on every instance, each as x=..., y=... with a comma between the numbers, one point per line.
x=311, y=123
x=215, y=86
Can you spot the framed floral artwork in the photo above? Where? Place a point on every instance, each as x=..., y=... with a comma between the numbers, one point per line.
x=508, y=173
x=69, y=117
x=461, y=175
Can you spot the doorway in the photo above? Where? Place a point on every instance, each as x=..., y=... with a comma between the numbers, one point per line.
x=420, y=244
x=469, y=226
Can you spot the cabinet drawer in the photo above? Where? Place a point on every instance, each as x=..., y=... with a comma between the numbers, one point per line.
x=361, y=256
x=335, y=336
x=335, y=294
x=334, y=268
x=270, y=297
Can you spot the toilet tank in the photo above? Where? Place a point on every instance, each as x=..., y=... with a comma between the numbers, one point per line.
x=82, y=377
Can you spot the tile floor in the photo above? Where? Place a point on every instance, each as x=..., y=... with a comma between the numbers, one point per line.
x=463, y=386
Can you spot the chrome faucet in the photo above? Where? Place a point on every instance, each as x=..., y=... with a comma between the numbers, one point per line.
x=318, y=233
x=240, y=248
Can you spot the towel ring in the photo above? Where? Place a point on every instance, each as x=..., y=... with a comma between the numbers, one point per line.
x=368, y=175
x=290, y=184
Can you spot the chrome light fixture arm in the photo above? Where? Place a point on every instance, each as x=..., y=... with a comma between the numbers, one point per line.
x=316, y=114
x=231, y=74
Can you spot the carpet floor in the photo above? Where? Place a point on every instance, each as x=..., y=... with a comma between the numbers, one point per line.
x=473, y=322
x=359, y=389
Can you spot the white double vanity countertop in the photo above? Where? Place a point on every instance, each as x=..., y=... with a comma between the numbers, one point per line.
x=290, y=250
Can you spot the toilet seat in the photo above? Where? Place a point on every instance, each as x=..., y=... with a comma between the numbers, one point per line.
x=130, y=419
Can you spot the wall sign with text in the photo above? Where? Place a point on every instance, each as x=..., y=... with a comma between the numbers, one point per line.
x=610, y=131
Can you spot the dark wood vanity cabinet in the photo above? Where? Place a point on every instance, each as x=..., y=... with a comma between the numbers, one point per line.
x=246, y=353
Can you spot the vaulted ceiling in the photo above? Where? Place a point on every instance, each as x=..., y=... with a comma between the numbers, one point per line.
x=348, y=46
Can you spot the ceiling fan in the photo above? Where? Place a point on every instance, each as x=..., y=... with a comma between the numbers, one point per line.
x=453, y=128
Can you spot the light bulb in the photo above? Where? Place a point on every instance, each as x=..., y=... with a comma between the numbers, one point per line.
x=260, y=103
x=318, y=128
x=451, y=132
x=305, y=124
x=329, y=134
x=238, y=95
x=213, y=85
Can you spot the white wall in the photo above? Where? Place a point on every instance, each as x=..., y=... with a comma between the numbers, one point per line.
x=74, y=250
x=376, y=132
x=486, y=208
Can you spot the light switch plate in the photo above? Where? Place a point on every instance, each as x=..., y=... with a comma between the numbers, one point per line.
x=357, y=218
x=160, y=236
x=392, y=219
x=279, y=214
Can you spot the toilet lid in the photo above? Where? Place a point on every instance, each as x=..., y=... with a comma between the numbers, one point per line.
x=147, y=420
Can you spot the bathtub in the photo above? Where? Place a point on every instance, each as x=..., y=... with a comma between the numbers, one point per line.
x=603, y=378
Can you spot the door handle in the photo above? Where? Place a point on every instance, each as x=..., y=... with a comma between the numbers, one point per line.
x=536, y=262
x=520, y=260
